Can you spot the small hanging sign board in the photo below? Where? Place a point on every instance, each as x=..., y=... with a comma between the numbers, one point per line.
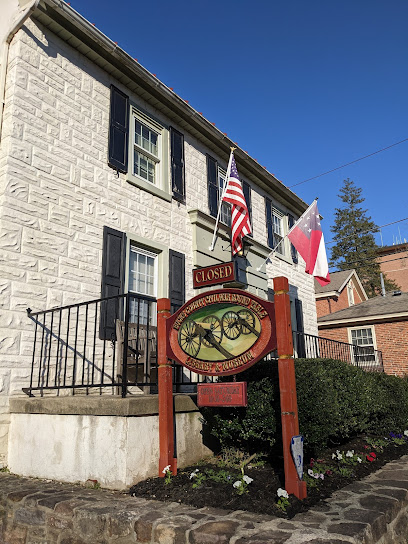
x=226, y=394
x=296, y=447
x=215, y=274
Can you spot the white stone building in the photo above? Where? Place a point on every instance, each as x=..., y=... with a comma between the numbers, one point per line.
x=92, y=145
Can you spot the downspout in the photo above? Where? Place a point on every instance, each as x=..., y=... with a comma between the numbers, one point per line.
x=5, y=54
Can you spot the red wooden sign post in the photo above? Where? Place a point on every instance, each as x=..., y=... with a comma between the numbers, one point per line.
x=287, y=385
x=165, y=385
x=224, y=332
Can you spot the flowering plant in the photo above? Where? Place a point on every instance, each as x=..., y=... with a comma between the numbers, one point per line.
x=283, y=499
x=241, y=486
x=167, y=474
x=371, y=457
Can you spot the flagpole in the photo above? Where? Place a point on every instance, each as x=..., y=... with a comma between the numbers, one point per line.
x=211, y=248
x=287, y=234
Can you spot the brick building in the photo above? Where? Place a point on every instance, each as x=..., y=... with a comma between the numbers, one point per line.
x=394, y=263
x=109, y=178
x=344, y=290
x=380, y=323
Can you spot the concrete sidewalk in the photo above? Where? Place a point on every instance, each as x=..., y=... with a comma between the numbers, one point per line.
x=374, y=510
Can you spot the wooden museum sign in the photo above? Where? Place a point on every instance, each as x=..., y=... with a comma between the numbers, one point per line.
x=221, y=332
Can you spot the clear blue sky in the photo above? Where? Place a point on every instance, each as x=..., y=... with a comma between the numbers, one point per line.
x=302, y=86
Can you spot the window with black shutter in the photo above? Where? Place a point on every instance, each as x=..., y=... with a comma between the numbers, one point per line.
x=212, y=175
x=300, y=339
x=112, y=281
x=269, y=225
x=177, y=291
x=118, y=130
x=293, y=252
x=246, y=188
x=177, y=164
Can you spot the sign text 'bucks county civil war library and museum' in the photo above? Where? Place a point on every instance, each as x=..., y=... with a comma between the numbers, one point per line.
x=222, y=332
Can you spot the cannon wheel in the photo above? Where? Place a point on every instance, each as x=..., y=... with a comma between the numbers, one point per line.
x=189, y=340
x=231, y=326
x=215, y=328
x=247, y=316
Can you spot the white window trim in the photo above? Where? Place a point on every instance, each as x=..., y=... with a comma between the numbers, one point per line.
x=162, y=187
x=223, y=173
x=162, y=261
x=372, y=328
x=286, y=255
x=350, y=293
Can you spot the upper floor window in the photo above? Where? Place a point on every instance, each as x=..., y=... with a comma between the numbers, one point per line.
x=225, y=213
x=147, y=149
x=278, y=231
x=350, y=293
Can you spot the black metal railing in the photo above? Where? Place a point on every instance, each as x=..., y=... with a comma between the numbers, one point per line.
x=100, y=344
x=309, y=346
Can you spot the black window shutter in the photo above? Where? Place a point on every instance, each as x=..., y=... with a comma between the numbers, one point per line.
x=247, y=194
x=269, y=225
x=293, y=252
x=212, y=175
x=177, y=290
x=300, y=338
x=113, y=258
x=118, y=130
x=177, y=164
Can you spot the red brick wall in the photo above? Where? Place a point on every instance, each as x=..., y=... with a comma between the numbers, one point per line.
x=325, y=306
x=391, y=339
x=396, y=270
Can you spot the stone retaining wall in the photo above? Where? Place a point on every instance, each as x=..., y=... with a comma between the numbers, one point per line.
x=374, y=510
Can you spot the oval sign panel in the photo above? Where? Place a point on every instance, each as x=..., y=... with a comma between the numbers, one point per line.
x=222, y=332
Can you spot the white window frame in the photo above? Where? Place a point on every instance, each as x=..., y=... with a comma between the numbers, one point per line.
x=161, y=185
x=374, y=344
x=225, y=214
x=152, y=312
x=283, y=250
x=350, y=293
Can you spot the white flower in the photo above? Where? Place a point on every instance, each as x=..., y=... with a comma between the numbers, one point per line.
x=406, y=433
x=247, y=479
x=339, y=456
x=194, y=474
x=166, y=469
x=359, y=459
x=310, y=472
x=321, y=476
x=334, y=456
x=282, y=493
x=350, y=453
x=237, y=484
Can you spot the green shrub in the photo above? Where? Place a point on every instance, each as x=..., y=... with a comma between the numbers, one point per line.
x=336, y=402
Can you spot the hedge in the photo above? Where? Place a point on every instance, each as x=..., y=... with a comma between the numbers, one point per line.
x=336, y=402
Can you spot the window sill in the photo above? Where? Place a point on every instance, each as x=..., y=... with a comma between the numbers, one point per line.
x=283, y=258
x=148, y=187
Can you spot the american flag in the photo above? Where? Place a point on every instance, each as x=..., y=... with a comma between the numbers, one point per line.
x=233, y=194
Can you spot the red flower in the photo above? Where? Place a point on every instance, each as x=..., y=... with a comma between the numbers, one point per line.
x=369, y=458
x=329, y=472
x=373, y=455
x=312, y=462
x=365, y=447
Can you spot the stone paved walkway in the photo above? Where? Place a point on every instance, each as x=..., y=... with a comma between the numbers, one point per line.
x=374, y=510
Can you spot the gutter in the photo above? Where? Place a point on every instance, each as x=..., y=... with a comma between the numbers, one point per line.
x=347, y=322
x=5, y=54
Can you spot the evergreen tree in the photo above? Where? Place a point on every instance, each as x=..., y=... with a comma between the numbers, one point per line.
x=355, y=244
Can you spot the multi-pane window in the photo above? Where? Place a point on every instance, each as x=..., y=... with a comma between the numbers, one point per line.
x=225, y=214
x=278, y=231
x=364, y=339
x=142, y=278
x=146, y=150
x=350, y=293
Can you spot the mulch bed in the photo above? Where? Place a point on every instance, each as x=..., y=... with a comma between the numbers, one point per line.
x=261, y=495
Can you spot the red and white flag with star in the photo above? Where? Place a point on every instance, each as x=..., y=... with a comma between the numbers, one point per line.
x=240, y=223
x=307, y=237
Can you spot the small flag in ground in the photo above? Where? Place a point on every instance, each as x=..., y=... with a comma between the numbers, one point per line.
x=234, y=194
x=307, y=237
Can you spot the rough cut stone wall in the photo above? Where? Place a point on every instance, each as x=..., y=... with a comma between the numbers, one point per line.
x=57, y=192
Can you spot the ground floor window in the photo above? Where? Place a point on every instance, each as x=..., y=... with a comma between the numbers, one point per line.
x=364, y=338
x=142, y=280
